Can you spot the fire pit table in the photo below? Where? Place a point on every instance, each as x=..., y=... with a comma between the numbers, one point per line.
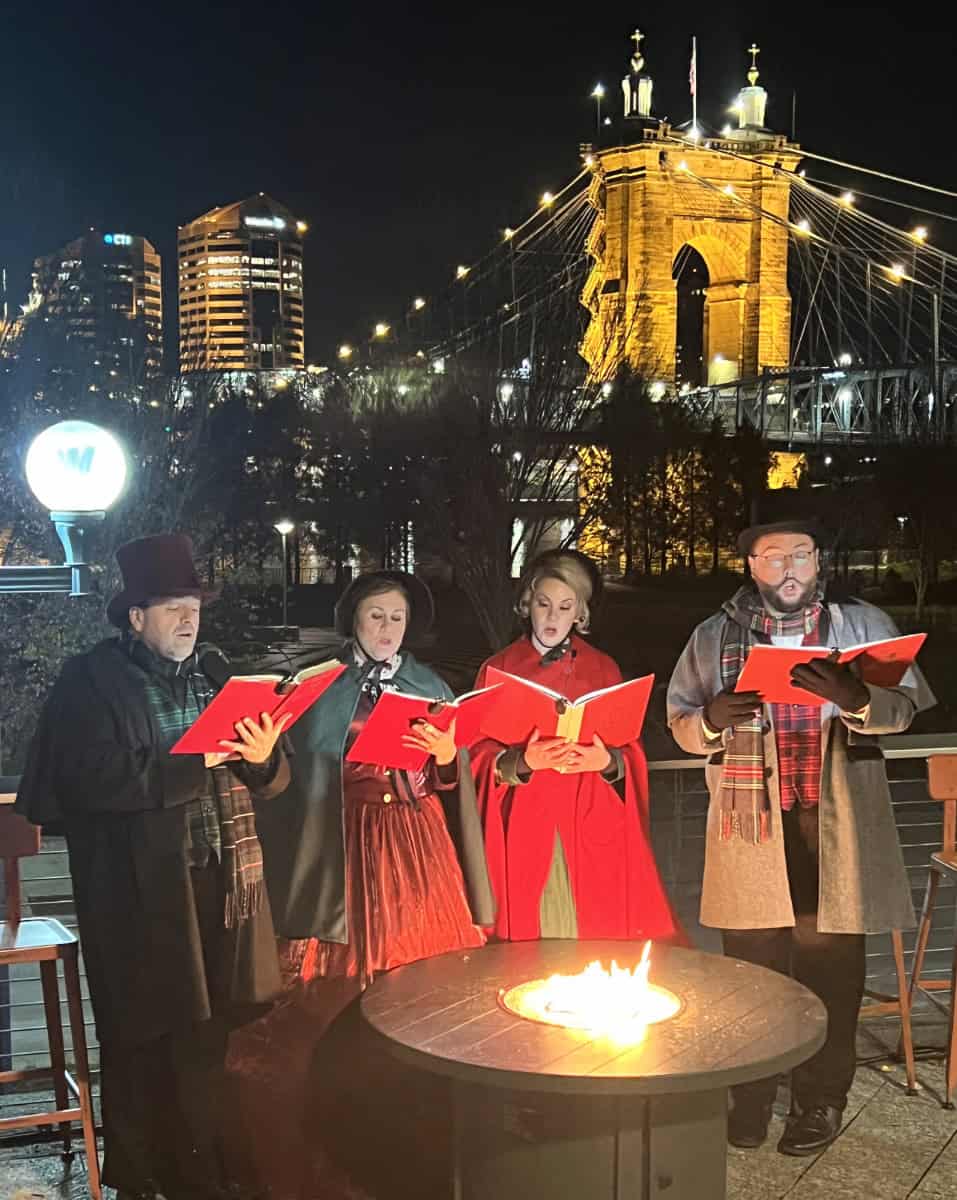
x=543, y=1111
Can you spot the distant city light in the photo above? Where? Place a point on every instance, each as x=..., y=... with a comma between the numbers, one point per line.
x=418, y=304
x=382, y=329
x=345, y=352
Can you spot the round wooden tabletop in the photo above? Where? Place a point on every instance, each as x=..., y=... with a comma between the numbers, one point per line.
x=737, y=1022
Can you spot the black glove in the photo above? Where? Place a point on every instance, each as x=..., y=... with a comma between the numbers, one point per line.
x=731, y=708
x=834, y=681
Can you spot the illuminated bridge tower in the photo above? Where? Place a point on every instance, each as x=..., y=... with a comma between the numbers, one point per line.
x=690, y=244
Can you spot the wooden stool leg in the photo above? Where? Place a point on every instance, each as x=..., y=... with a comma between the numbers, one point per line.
x=951, y=1078
x=51, y=1008
x=903, y=1000
x=71, y=974
x=923, y=930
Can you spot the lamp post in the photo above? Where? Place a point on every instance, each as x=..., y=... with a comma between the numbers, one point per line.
x=284, y=528
x=597, y=93
x=76, y=470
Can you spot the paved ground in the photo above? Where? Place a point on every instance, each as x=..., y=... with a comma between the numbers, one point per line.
x=893, y=1147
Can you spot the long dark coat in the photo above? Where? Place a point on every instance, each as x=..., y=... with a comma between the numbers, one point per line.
x=302, y=831
x=95, y=770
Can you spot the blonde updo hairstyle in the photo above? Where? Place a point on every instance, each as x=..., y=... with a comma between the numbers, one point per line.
x=569, y=570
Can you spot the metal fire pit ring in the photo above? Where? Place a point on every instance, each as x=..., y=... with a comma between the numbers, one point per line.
x=546, y=1111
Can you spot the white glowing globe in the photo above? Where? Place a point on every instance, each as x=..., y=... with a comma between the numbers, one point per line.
x=75, y=466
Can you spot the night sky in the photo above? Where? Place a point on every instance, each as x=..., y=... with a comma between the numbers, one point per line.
x=407, y=135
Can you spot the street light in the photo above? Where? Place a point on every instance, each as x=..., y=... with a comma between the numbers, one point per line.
x=284, y=528
x=76, y=470
x=598, y=91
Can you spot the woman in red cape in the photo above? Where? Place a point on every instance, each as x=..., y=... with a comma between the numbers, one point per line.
x=565, y=824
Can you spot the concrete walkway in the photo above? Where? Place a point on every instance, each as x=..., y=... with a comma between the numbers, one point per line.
x=893, y=1146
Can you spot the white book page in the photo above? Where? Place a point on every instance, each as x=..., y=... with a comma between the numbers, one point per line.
x=615, y=687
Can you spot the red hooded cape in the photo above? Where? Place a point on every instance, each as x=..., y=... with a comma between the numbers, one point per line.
x=614, y=879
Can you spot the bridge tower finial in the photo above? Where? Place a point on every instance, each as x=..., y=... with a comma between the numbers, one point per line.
x=637, y=86
x=752, y=100
x=754, y=50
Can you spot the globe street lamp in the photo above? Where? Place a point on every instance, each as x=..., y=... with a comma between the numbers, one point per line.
x=284, y=528
x=76, y=470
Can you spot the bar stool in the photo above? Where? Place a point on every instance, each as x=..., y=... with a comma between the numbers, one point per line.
x=942, y=868
x=47, y=942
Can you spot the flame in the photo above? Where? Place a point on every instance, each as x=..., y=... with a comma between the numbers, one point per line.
x=618, y=1004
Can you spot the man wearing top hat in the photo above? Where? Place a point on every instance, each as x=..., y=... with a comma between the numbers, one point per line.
x=167, y=870
x=802, y=857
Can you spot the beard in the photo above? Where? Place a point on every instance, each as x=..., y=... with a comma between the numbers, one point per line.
x=775, y=602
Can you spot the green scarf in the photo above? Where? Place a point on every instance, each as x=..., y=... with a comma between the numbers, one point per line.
x=177, y=693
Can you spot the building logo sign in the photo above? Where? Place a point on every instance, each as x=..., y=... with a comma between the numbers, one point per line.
x=118, y=239
x=264, y=222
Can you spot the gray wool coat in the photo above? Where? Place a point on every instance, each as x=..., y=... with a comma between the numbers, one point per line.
x=863, y=885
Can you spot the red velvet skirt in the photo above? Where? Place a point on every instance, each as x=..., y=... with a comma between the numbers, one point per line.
x=405, y=897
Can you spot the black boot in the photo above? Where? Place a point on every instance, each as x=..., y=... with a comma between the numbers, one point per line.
x=811, y=1131
x=748, y=1125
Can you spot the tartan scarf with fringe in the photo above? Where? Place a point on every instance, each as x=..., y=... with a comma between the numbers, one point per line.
x=744, y=799
x=177, y=693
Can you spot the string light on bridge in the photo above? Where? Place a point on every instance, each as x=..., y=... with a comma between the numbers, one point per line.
x=919, y=234
x=382, y=329
x=547, y=199
x=848, y=199
x=461, y=272
x=803, y=227
x=508, y=233
x=418, y=303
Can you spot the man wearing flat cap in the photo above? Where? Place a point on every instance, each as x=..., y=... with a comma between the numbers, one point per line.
x=167, y=870
x=802, y=857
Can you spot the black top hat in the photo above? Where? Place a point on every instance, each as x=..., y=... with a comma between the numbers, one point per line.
x=152, y=568
x=552, y=558
x=782, y=510
x=421, y=604
x=747, y=537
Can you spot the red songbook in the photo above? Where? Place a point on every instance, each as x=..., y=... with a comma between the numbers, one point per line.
x=615, y=713
x=250, y=696
x=394, y=715
x=768, y=668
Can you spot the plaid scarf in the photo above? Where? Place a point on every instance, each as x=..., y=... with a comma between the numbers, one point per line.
x=745, y=804
x=177, y=693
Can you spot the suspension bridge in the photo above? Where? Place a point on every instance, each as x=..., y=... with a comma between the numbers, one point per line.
x=753, y=279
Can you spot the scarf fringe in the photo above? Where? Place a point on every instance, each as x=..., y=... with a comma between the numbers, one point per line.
x=752, y=827
x=243, y=902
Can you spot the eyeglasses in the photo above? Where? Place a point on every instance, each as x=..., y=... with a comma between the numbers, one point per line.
x=777, y=562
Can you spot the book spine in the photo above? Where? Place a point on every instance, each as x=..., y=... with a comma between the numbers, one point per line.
x=570, y=722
